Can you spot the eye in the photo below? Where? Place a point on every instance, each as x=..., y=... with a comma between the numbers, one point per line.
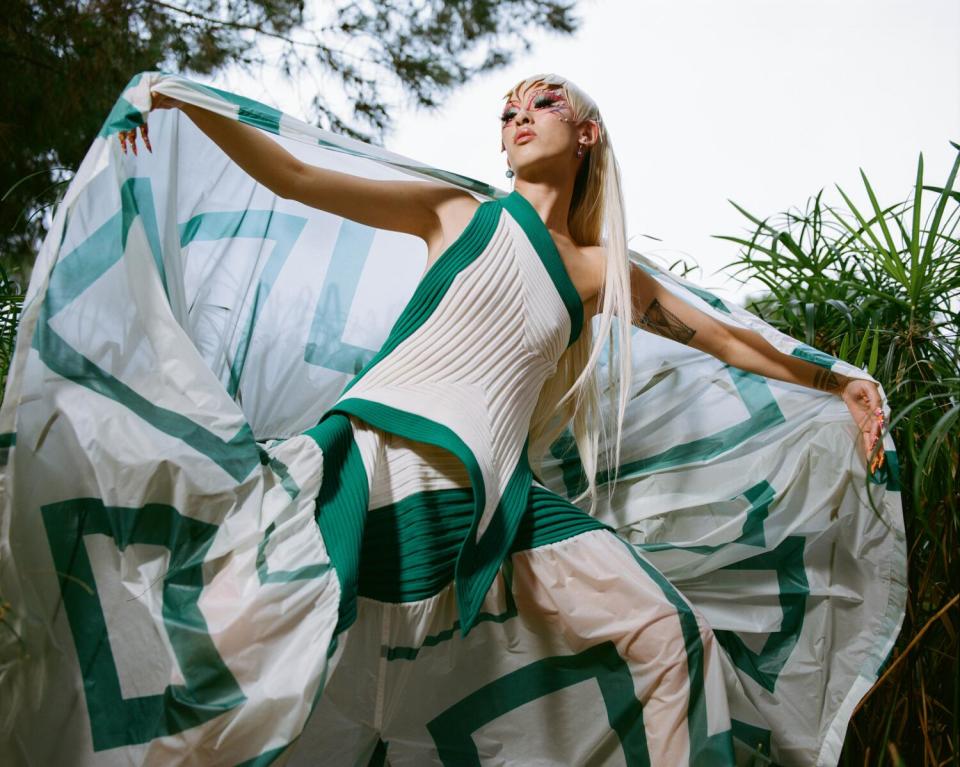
x=508, y=115
x=546, y=100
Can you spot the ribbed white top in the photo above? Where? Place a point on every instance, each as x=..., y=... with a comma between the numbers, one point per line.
x=478, y=362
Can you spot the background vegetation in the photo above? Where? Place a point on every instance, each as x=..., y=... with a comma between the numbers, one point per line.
x=876, y=287
x=66, y=61
x=880, y=288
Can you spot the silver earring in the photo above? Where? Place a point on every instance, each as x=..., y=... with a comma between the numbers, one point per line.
x=509, y=173
x=580, y=150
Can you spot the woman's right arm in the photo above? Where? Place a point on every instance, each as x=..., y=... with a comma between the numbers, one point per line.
x=402, y=206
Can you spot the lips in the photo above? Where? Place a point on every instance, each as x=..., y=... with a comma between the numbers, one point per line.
x=523, y=134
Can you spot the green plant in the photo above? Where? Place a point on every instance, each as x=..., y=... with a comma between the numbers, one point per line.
x=11, y=299
x=879, y=287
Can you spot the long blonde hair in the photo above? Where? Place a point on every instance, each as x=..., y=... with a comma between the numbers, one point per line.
x=596, y=217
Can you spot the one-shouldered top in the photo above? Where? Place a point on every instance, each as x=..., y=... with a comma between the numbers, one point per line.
x=462, y=369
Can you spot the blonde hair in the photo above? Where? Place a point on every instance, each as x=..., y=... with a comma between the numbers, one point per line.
x=596, y=217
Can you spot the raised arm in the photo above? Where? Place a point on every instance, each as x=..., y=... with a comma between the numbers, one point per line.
x=401, y=206
x=657, y=310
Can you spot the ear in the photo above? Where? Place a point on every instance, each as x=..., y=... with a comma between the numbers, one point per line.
x=589, y=133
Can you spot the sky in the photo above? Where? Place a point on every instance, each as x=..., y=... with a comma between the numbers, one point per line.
x=759, y=102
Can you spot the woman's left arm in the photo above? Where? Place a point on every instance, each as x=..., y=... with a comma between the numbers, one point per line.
x=657, y=310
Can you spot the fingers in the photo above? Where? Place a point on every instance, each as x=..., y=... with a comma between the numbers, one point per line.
x=161, y=101
x=876, y=451
x=868, y=402
x=129, y=137
x=877, y=460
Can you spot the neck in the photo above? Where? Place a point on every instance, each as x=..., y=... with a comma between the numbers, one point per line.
x=551, y=201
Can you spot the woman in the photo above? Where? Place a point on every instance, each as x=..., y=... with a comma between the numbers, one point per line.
x=475, y=613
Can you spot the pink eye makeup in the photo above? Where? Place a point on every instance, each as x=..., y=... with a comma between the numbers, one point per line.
x=542, y=101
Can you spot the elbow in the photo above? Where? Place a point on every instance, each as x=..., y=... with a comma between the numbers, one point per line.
x=289, y=181
x=725, y=345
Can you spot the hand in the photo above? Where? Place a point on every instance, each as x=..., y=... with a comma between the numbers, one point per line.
x=863, y=399
x=157, y=101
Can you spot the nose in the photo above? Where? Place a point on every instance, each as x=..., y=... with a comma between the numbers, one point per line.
x=523, y=116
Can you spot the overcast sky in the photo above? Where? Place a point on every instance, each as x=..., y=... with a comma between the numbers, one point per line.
x=762, y=102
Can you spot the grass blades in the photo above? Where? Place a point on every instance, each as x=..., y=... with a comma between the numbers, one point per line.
x=879, y=287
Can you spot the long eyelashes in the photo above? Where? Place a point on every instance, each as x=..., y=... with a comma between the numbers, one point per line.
x=542, y=101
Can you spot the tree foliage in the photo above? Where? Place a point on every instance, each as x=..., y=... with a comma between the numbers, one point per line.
x=65, y=62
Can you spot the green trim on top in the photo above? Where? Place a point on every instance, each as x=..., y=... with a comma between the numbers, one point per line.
x=479, y=560
x=420, y=429
x=439, y=277
x=526, y=215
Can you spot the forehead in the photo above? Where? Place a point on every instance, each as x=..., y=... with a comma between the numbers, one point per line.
x=519, y=93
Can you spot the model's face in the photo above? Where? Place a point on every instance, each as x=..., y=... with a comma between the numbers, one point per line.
x=537, y=127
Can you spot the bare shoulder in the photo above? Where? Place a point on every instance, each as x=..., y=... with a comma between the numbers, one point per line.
x=453, y=204
x=595, y=257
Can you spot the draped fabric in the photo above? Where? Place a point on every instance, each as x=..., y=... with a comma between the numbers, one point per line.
x=184, y=328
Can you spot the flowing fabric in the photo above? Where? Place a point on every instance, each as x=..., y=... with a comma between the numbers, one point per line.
x=168, y=449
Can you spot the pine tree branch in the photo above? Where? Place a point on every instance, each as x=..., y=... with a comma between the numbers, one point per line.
x=258, y=28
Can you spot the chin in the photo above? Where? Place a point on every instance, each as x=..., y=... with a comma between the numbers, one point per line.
x=531, y=167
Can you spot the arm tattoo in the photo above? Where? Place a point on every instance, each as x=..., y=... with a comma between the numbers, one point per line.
x=827, y=380
x=660, y=321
